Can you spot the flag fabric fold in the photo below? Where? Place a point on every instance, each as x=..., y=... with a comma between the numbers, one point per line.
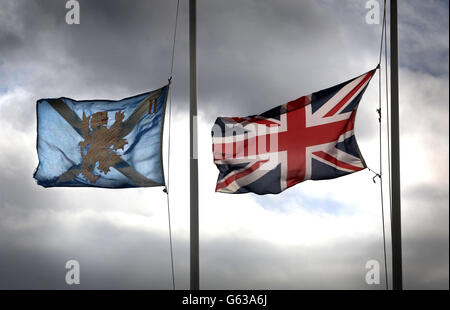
x=101, y=143
x=310, y=138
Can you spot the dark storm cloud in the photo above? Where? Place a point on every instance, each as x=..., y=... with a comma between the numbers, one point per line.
x=42, y=229
x=37, y=261
x=122, y=49
x=423, y=35
x=270, y=54
x=103, y=251
x=264, y=265
x=419, y=254
x=113, y=40
x=426, y=228
x=252, y=63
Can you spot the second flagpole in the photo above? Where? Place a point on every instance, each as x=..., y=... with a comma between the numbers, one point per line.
x=396, y=227
x=193, y=161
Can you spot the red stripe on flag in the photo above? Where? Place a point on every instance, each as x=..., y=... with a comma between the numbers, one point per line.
x=335, y=161
x=240, y=175
x=349, y=95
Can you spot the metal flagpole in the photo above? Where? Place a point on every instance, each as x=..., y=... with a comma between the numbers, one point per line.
x=396, y=230
x=193, y=164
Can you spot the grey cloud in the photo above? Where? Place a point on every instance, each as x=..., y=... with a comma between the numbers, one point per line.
x=252, y=55
x=426, y=228
x=254, y=62
x=423, y=35
x=264, y=265
x=37, y=261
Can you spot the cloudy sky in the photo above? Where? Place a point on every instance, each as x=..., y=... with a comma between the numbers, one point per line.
x=252, y=56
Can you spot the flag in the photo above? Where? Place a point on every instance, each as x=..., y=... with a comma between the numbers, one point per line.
x=101, y=143
x=310, y=138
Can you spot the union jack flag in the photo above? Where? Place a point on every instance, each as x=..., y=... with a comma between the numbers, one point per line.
x=310, y=138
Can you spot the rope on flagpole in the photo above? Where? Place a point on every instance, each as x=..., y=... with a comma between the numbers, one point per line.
x=166, y=189
x=380, y=175
x=388, y=124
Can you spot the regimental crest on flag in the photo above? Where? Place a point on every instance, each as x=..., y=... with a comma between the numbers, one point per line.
x=101, y=143
x=310, y=138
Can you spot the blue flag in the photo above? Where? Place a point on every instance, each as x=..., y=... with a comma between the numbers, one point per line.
x=101, y=143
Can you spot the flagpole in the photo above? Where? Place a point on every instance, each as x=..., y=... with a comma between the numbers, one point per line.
x=193, y=163
x=396, y=230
